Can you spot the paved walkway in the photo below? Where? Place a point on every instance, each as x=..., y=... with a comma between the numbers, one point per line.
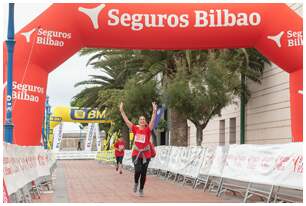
x=89, y=181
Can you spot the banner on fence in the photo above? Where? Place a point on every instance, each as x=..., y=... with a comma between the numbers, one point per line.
x=218, y=163
x=106, y=155
x=280, y=165
x=174, y=159
x=161, y=160
x=89, y=136
x=193, y=162
x=58, y=135
x=208, y=159
x=186, y=160
x=23, y=164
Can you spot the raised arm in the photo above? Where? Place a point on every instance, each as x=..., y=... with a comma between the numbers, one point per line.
x=125, y=118
x=151, y=124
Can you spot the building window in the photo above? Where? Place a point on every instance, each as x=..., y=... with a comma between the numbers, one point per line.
x=232, y=130
x=222, y=132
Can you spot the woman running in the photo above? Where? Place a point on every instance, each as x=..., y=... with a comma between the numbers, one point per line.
x=141, y=153
x=119, y=153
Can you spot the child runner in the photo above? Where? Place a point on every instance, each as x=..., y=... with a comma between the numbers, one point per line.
x=119, y=153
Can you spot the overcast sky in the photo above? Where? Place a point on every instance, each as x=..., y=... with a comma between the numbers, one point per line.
x=61, y=81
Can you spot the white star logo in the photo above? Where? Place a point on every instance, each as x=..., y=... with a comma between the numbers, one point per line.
x=28, y=34
x=93, y=14
x=277, y=38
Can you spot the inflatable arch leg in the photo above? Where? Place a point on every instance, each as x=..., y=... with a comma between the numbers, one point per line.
x=296, y=105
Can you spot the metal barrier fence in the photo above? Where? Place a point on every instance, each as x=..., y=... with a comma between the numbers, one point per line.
x=34, y=189
x=223, y=169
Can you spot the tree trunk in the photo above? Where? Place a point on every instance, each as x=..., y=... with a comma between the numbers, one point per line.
x=126, y=136
x=178, y=129
x=199, y=135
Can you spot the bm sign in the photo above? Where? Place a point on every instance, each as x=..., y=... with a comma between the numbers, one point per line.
x=87, y=114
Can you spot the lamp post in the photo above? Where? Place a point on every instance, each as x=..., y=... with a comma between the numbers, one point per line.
x=45, y=128
x=48, y=113
x=10, y=42
x=242, y=110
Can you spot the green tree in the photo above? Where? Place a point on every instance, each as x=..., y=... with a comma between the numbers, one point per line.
x=202, y=88
x=202, y=94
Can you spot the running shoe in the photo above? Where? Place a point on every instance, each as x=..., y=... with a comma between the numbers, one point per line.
x=135, y=187
x=141, y=193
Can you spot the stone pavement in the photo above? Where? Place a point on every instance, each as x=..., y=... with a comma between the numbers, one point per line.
x=92, y=182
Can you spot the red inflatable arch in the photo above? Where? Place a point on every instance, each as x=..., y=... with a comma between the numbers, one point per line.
x=63, y=29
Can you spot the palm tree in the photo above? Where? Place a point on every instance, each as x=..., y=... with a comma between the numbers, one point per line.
x=116, y=67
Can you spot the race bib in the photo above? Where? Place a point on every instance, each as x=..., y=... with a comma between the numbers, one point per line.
x=141, y=138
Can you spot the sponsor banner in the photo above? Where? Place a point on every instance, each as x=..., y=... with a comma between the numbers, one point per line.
x=208, y=159
x=87, y=114
x=194, y=161
x=22, y=165
x=218, y=163
x=161, y=160
x=175, y=159
x=186, y=160
x=75, y=114
x=57, y=138
x=280, y=165
x=89, y=136
x=56, y=119
x=106, y=155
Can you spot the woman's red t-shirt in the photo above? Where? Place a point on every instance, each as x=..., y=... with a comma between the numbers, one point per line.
x=119, y=144
x=141, y=139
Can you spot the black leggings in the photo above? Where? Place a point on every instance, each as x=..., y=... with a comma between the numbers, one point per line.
x=140, y=171
x=119, y=160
